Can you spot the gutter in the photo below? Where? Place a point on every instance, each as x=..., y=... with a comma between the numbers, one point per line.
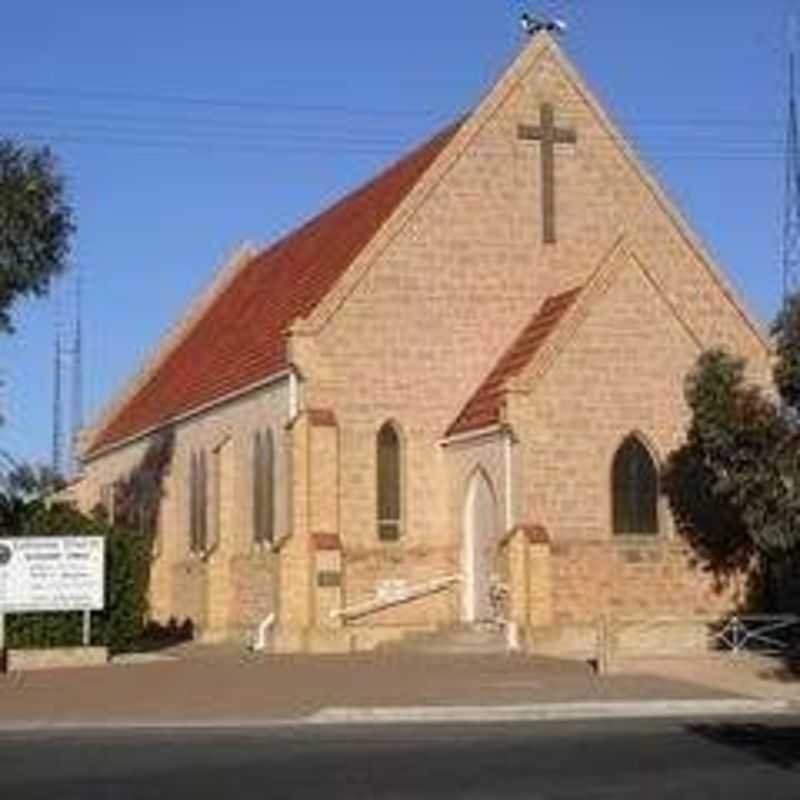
x=468, y=436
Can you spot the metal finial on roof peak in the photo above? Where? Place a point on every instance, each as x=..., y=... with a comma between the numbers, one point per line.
x=533, y=25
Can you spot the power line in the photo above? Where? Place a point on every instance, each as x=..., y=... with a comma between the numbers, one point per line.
x=202, y=135
x=690, y=139
x=26, y=114
x=209, y=102
x=204, y=147
x=700, y=122
x=698, y=147
x=189, y=102
x=33, y=120
x=242, y=123
x=352, y=149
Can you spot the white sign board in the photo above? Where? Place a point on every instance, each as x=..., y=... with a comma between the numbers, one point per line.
x=52, y=573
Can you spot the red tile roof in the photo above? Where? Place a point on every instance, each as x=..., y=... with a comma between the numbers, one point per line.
x=240, y=339
x=484, y=407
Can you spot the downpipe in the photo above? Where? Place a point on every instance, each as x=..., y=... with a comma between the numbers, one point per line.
x=259, y=644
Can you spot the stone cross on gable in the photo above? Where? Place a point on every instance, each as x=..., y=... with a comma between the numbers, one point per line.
x=549, y=135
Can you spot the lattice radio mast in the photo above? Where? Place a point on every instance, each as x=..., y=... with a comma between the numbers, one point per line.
x=68, y=362
x=791, y=212
x=57, y=462
x=76, y=410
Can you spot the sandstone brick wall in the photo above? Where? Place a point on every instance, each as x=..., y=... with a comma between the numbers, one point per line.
x=104, y=471
x=632, y=581
x=181, y=585
x=254, y=591
x=295, y=568
x=187, y=594
x=222, y=512
x=525, y=566
x=456, y=274
x=413, y=560
x=620, y=371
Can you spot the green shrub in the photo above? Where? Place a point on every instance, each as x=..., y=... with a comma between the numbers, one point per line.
x=120, y=624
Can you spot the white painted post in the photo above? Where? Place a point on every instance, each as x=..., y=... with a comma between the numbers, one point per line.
x=87, y=628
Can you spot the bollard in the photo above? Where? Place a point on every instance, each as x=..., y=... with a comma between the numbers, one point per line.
x=603, y=645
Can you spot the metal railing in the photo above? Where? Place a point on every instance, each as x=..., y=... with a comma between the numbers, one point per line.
x=400, y=595
x=764, y=632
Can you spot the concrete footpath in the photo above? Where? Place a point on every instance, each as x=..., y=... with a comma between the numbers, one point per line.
x=198, y=686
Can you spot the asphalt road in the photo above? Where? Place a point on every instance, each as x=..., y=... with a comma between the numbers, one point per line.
x=613, y=760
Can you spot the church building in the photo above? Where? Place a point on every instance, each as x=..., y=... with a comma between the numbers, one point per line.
x=445, y=400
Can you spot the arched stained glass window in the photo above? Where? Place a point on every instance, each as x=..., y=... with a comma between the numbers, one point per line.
x=258, y=487
x=263, y=487
x=198, y=503
x=389, y=480
x=634, y=487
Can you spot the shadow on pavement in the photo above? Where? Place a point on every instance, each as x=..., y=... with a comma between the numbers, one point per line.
x=778, y=745
x=787, y=668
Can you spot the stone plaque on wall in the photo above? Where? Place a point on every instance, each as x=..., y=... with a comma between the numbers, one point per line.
x=328, y=579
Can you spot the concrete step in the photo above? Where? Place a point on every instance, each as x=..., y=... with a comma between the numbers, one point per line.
x=479, y=639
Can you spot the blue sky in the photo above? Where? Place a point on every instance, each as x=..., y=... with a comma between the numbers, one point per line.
x=186, y=128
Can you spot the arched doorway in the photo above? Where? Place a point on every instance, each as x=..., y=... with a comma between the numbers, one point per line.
x=480, y=520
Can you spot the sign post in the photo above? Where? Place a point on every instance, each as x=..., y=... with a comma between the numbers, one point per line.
x=87, y=628
x=5, y=557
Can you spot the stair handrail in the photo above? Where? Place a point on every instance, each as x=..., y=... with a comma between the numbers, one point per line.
x=406, y=595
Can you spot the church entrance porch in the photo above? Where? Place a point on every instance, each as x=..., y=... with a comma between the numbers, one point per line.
x=480, y=515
